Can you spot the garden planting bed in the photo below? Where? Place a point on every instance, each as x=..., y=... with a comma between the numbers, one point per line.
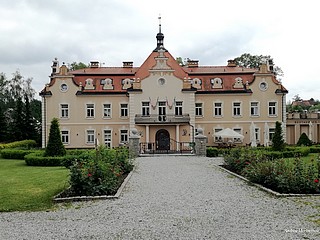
x=65, y=195
x=268, y=190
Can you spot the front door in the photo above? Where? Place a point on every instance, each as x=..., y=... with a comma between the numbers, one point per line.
x=163, y=140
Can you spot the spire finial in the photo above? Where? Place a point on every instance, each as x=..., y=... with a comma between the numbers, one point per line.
x=159, y=22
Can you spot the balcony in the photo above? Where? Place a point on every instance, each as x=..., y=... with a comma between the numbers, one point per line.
x=161, y=119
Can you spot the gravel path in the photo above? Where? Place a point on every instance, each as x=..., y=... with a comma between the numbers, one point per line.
x=173, y=197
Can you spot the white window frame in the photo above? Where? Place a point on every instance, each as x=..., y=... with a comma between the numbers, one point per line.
x=107, y=111
x=217, y=139
x=254, y=110
x=219, y=109
x=238, y=130
x=274, y=109
x=257, y=134
x=65, y=137
x=124, y=111
x=64, y=112
x=107, y=140
x=271, y=133
x=199, y=109
x=178, y=109
x=124, y=136
x=237, y=109
x=90, y=110
x=145, y=108
x=90, y=137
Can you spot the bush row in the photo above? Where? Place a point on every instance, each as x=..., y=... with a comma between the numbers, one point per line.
x=38, y=159
x=25, y=144
x=15, y=153
x=286, y=175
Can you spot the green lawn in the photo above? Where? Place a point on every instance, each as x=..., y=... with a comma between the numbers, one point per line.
x=25, y=188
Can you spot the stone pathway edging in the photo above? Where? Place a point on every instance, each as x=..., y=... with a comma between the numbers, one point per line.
x=57, y=199
x=277, y=194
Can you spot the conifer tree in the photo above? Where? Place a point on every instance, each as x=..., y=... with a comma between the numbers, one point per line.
x=277, y=140
x=3, y=126
x=30, y=130
x=17, y=132
x=55, y=146
x=304, y=140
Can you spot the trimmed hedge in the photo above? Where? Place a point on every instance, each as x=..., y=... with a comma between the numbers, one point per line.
x=37, y=159
x=15, y=153
x=212, y=152
x=26, y=144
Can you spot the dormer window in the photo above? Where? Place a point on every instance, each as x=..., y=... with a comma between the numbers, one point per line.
x=196, y=83
x=107, y=83
x=89, y=84
x=126, y=83
x=216, y=83
x=238, y=83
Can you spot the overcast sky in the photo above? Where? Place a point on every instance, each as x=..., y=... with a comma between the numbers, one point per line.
x=34, y=32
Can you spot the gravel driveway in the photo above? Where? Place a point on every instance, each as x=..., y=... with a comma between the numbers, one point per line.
x=173, y=197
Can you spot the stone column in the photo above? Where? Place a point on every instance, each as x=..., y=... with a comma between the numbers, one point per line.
x=134, y=140
x=200, y=144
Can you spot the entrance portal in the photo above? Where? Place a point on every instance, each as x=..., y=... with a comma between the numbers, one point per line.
x=162, y=140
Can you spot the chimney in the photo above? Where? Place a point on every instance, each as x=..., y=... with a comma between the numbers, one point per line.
x=192, y=63
x=94, y=64
x=127, y=64
x=231, y=63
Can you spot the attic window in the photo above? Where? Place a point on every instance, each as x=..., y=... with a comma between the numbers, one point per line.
x=238, y=83
x=107, y=83
x=216, y=83
x=196, y=83
x=89, y=84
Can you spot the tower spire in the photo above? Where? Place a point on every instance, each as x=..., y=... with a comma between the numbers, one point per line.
x=159, y=37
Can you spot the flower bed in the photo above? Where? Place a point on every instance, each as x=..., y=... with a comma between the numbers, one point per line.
x=99, y=172
x=299, y=176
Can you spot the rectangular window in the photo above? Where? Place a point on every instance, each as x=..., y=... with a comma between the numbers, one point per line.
x=237, y=109
x=90, y=136
x=123, y=110
x=65, y=137
x=107, y=110
x=64, y=110
x=254, y=109
x=238, y=130
x=272, y=109
x=178, y=109
x=199, y=112
x=90, y=110
x=145, y=108
x=257, y=134
x=107, y=138
x=217, y=139
x=162, y=109
x=123, y=136
x=271, y=133
x=218, y=109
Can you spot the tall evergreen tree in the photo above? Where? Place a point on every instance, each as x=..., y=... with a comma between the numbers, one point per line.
x=277, y=140
x=18, y=127
x=30, y=129
x=3, y=126
x=55, y=146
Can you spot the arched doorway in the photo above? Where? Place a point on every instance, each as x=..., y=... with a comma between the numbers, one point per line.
x=162, y=140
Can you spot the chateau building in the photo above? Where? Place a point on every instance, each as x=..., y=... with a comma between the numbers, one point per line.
x=166, y=102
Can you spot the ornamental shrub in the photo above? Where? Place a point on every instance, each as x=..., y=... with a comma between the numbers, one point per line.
x=304, y=140
x=38, y=159
x=277, y=140
x=99, y=172
x=24, y=144
x=212, y=152
x=55, y=146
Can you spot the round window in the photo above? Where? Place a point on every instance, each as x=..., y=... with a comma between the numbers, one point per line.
x=263, y=86
x=64, y=87
x=161, y=81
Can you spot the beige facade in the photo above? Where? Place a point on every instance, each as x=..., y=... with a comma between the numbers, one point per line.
x=298, y=123
x=166, y=102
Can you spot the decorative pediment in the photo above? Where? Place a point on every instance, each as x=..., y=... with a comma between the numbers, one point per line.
x=89, y=84
x=238, y=83
x=216, y=83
